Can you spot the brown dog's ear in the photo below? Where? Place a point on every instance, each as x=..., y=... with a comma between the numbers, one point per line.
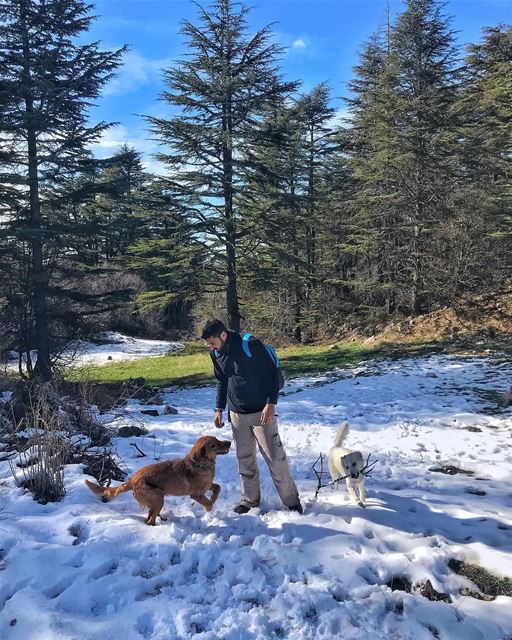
x=202, y=451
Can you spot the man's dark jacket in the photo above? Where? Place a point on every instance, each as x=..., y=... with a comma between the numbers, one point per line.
x=247, y=383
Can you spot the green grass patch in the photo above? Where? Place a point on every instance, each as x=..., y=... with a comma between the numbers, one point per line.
x=486, y=581
x=192, y=366
x=189, y=366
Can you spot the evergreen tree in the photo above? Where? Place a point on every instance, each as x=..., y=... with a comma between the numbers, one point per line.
x=119, y=205
x=291, y=179
x=482, y=239
x=222, y=88
x=315, y=116
x=427, y=82
x=404, y=155
x=374, y=237
x=166, y=257
x=47, y=82
x=278, y=211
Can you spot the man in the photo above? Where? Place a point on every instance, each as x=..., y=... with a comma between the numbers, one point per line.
x=248, y=381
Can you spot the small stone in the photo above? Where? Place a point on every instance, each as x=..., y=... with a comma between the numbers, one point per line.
x=128, y=432
x=150, y=412
x=109, y=357
x=156, y=399
x=170, y=410
x=506, y=399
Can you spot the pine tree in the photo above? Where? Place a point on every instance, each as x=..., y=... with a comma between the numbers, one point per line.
x=119, y=205
x=315, y=116
x=405, y=149
x=166, y=257
x=278, y=213
x=427, y=83
x=222, y=89
x=47, y=83
x=483, y=237
x=374, y=231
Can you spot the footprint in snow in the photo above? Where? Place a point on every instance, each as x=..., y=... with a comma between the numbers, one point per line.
x=104, y=569
x=59, y=587
x=146, y=625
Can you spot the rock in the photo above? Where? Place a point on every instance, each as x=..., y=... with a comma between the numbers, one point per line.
x=464, y=591
x=150, y=412
x=450, y=469
x=109, y=357
x=475, y=492
x=156, y=399
x=128, y=432
x=428, y=591
x=431, y=374
x=333, y=347
x=505, y=399
x=168, y=410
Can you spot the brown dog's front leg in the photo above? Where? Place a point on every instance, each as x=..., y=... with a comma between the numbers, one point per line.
x=203, y=500
x=215, y=489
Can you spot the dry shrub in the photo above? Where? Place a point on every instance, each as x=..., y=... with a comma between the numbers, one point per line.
x=46, y=426
x=42, y=443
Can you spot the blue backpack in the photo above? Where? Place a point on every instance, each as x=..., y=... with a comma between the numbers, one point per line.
x=271, y=352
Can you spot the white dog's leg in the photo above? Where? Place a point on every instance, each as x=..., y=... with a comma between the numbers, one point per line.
x=352, y=492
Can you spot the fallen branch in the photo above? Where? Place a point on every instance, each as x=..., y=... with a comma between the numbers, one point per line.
x=142, y=454
x=366, y=471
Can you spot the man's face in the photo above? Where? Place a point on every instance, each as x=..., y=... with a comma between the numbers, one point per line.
x=216, y=343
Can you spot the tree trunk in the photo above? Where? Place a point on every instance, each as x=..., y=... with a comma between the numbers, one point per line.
x=39, y=278
x=232, y=308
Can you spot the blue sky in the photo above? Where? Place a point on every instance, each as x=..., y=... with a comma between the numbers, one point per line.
x=322, y=37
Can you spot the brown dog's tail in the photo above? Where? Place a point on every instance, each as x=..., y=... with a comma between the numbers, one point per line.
x=108, y=493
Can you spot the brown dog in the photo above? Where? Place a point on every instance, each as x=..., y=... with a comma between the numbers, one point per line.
x=192, y=476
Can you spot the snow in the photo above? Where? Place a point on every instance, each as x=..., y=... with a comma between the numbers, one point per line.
x=115, y=347
x=273, y=573
x=120, y=347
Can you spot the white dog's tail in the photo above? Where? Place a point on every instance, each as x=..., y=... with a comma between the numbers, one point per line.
x=341, y=434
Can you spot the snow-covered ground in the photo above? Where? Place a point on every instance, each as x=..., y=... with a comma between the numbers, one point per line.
x=119, y=347
x=115, y=347
x=273, y=573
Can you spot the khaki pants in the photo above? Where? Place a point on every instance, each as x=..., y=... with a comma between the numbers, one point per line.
x=247, y=431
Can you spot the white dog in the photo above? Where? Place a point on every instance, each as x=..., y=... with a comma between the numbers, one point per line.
x=344, y=462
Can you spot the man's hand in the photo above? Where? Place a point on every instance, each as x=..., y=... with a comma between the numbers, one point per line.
x=268, y=414
x=217, y=420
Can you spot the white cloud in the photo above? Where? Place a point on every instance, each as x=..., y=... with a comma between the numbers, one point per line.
x=139, y=138
x=136, y=72
x=340, y=117
x=300, y=43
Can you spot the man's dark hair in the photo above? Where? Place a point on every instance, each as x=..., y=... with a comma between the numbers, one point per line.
x=212, y=329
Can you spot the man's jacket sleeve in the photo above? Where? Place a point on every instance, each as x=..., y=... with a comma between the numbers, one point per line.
x=222, y=384
x=268, y=369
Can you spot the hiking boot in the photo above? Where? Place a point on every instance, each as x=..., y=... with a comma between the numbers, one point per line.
x=297, y=507
x=241, y=508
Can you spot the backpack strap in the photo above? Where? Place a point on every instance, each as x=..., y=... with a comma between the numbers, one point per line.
x=245, y=344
